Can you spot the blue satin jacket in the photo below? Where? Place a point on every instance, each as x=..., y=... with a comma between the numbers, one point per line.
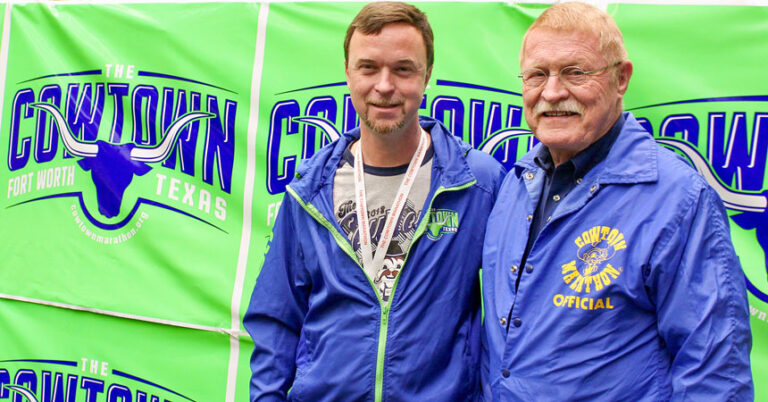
x=320, y=327
x=631, y=292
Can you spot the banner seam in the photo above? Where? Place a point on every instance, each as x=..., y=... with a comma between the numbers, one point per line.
x=134, y=317
x=250, y=173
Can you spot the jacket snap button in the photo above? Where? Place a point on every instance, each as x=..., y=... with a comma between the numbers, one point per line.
x=503, y=321
x=529, y=268
x=517, y=322
x=505, y=373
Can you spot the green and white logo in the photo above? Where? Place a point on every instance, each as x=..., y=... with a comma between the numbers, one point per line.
x=442, y=221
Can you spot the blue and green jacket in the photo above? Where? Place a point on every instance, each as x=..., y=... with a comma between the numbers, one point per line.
x=320, y=328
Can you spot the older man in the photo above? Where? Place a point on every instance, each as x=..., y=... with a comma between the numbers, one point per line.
x=390, y=311
x=609, y=273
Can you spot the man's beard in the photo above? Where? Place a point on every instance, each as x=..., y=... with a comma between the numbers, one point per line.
x=383, y=128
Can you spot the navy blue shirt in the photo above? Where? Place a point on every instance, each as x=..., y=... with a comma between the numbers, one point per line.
x=560, y=180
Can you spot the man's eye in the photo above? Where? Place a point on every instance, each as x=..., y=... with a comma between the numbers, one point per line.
x=573, y=72
x=535, y=74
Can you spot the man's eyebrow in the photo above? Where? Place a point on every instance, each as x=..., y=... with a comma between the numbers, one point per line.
x=366, y=61
x=406, y=61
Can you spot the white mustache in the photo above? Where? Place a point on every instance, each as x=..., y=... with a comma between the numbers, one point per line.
x=568, y=105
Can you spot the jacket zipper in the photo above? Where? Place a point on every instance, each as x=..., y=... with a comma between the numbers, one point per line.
x=344, y=244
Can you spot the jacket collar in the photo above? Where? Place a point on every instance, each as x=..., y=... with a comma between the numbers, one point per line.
x=449, y=165
x=632, y=158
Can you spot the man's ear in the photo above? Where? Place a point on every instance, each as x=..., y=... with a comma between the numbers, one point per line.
x=429, y=74
x=346, y=71
x=624, y=74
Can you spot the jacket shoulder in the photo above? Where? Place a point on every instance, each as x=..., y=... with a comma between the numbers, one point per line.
x=676, y=171
x=486, y=169
x=315, y=170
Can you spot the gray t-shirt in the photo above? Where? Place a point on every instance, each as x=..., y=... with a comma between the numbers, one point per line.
x=381, y=184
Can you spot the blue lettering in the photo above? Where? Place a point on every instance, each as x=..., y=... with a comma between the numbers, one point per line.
x=220, y=144
x=145, y=117
x=16, y=159
x=282, y=115
x=686, y=125
x=118, y=392
x=507, y=152
x=481, y=128
x=26, y=379
x=84, y=112
x=92, y=387
x=514, y=116
x=325, y=107
x=737, y=161
x=118, y=91
x=454, y=109
x=476, y=123
x=55, y=392
x=185, y=146
x=48, y=94
x=351, y=119
x=5, y=379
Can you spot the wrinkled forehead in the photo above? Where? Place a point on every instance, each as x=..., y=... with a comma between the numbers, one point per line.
x=559, y=47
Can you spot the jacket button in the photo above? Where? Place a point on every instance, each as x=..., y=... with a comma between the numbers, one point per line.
x=505, y=373
x=513, y=269
x=517, y=322
x=593, y=188
x=529, y=217
x=556, y=197
x=529, y=268
x=503, y=321
x=529, y=175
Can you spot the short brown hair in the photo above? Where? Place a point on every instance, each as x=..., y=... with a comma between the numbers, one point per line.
x=582, y=17
x=372, y=18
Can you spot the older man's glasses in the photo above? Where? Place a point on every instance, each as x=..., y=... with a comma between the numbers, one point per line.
x=571, y=75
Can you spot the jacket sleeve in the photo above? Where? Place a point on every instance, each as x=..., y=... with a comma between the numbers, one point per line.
x=276, y=312
x=698, y=287
x=491, y=173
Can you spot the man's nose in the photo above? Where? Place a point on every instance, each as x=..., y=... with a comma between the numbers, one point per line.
x=385, y=82
x=554, y=90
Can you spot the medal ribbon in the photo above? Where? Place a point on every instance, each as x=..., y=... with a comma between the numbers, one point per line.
x=371, y=260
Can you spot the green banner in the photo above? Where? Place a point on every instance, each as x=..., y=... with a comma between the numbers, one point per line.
x=63, y=355
x=100, y=227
